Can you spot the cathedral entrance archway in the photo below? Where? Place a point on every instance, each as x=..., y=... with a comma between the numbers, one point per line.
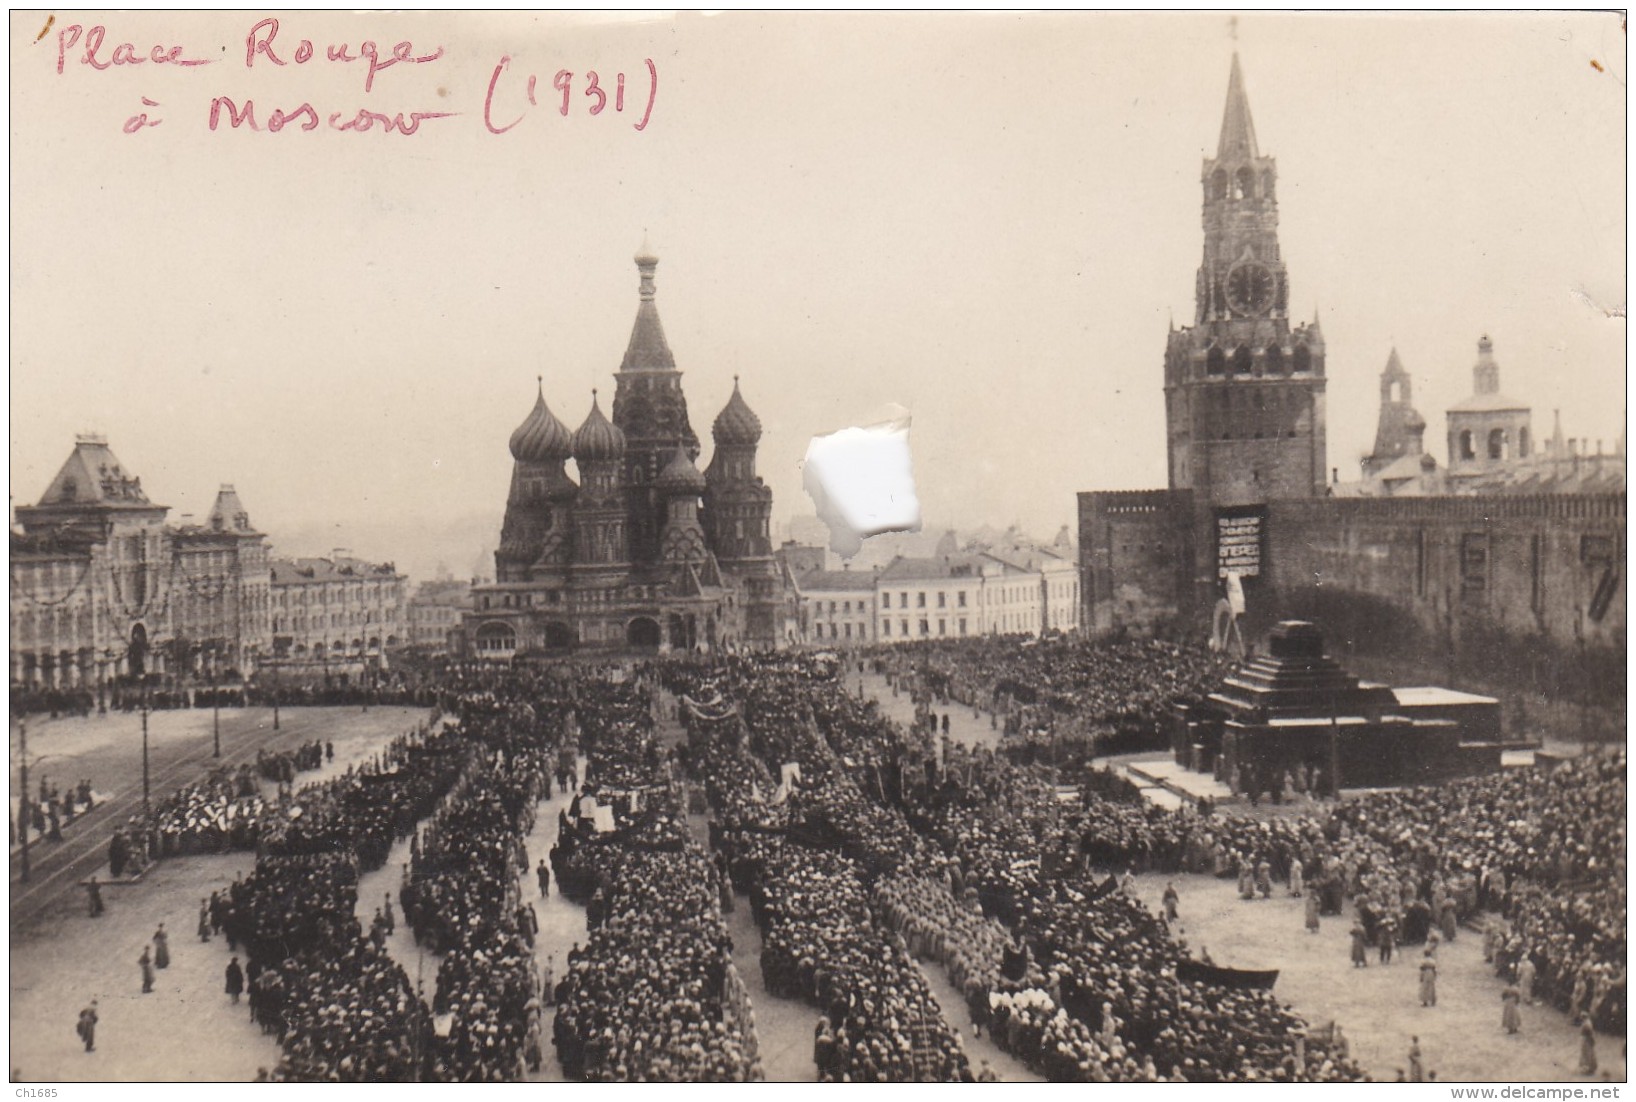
x=137, y=656
x=558, y=635
x=496, y=640
x=643, y=632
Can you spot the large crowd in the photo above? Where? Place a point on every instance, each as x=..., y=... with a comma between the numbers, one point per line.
x=971, y=861
x=868, y=851
x=1059, y=700
x=651, y=996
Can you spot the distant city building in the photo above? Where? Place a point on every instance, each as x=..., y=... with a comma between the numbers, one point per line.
x=839, y=606
x=1491, y=448
x=645, y=552
x=802, y=558
x=340, y=614
x=103, y=590
x=932, y=598
x=434, y=613
x=1487, y=429
x=1400, y=436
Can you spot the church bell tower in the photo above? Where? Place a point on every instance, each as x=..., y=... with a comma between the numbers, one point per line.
x=1244, y=392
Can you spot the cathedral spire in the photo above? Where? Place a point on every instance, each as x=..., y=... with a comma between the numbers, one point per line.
x=1237, y=128
x=647, y=350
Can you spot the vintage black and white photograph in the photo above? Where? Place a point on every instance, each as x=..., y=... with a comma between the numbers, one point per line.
x=814, y=547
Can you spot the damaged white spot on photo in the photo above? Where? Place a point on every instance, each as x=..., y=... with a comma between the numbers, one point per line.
x=861, y=481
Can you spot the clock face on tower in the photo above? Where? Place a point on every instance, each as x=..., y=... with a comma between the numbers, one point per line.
x=1250, y=287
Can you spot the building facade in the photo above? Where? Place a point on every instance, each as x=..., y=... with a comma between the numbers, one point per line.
x=644, y=551
x=839, y=606
x=103, y=590
x=433, y=614
x=338, y=615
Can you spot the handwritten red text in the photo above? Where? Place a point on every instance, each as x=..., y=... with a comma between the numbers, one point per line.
x=306, y=117
x=261, y=42
x=123, y=54
x=563, y=83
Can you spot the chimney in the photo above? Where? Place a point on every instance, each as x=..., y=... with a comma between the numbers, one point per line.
x=1335, y=475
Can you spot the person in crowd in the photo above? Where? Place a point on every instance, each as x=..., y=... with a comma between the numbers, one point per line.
x=1511, y=1014
x=86, y=1027
x=1587, y=1048
x=235, y=980
x=1428, y=979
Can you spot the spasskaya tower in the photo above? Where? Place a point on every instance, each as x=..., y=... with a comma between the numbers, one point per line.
x=1244, y=392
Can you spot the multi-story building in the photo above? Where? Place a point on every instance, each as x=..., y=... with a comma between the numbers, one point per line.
x=645, y=551
x=103, y=590
x=339, y=614
x=930, y=598
x=434, y=613
x=221, y=597
x=839, y=606
x=1056, y=601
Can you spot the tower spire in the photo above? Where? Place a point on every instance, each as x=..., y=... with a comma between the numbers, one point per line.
x=1237, y=128
x=647, y=349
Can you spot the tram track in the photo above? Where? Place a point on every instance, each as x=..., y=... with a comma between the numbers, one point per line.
x=61, y=866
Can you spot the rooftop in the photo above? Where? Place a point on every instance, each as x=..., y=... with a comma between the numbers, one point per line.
x=305, y=571
x=836, y=581
x=903, y=569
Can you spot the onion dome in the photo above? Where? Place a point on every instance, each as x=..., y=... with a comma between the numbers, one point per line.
x=598, y=439
x=737, y=422
x=541, y=438
x=680, y=476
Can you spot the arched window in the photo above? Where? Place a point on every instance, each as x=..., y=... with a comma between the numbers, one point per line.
x=1468, y=447
x=1241, y=361
x=1499, y=445
x=1244, y=184
x=1303, y=359
x=1218, y=184
x=1275, y=360
x=496, y=637
x=1522, y=442
x=1215, y=361
x=1266, y=184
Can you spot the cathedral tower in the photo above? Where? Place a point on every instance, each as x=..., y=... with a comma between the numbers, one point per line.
x=680, y=484
x=1244, y=392
x=601, y=513
x=738, y=504
x=651, y=411
x=537, y=530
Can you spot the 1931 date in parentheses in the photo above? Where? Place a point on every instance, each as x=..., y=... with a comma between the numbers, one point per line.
x=567, y=92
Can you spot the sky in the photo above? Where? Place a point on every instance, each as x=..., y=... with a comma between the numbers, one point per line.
x=988, y=220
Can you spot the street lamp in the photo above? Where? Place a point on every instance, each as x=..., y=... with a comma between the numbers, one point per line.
x=146, y=808
x=215, y=705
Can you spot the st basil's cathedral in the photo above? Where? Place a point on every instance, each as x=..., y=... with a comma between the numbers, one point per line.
x=645, y=552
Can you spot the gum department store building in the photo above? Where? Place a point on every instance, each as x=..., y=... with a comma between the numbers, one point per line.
x=645, y=551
